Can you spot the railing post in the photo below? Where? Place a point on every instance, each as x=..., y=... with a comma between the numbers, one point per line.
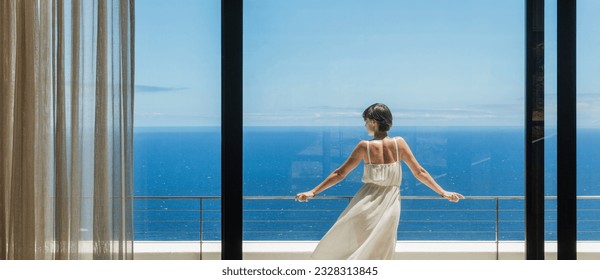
x=201, y=225
x=497, y=229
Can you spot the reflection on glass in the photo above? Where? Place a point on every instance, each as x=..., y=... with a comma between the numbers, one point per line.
x=550, y=140
x=451, y=72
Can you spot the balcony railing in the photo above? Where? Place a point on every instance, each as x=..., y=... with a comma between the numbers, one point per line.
x=280, y=218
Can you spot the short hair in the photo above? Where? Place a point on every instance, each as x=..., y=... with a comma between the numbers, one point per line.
x=381, y=114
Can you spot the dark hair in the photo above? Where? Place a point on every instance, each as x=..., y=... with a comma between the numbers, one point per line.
x=379, y=113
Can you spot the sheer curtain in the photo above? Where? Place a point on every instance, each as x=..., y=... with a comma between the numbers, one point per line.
x=66, y=128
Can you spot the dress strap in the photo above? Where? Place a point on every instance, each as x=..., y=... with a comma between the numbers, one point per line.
x=368, y=153
x=396, y=142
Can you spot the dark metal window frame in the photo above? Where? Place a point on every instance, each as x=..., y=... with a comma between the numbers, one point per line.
x=232, y=129
x=566, y=175
x=534, y=129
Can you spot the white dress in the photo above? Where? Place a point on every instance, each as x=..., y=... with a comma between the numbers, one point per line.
x=367, y=229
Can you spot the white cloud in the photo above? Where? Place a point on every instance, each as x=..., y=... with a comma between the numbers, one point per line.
x=503, y=115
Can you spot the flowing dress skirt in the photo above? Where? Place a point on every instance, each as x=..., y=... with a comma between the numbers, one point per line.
x=366, y=229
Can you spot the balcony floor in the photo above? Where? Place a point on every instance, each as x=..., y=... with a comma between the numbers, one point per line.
x=405, y=250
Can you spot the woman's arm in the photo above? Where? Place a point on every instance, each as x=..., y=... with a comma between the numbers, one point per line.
x=421, y=174
x=337, y=175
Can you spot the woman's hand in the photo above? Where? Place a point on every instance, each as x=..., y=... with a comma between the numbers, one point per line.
x=303, y=197
x=452, y=196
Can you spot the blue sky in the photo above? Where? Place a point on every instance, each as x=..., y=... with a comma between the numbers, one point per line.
x=321, y=62
x=178, y=58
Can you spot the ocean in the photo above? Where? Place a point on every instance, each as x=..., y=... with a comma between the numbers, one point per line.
x=175, y=166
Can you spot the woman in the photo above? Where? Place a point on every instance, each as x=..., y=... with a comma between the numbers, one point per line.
x=368, y=226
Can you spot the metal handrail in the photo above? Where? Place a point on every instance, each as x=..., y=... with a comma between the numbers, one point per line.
x=202, y=219
x=411, y=197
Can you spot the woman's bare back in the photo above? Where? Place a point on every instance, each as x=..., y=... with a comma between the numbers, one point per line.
x=381, y=151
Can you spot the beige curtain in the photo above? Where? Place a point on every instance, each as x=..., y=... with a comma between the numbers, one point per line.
x=66, y=128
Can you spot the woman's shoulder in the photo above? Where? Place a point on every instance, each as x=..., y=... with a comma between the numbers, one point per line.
x=399, y=140
x=362, y=143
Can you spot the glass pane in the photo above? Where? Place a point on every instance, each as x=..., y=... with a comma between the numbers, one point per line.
x=550, y=113
x=452, y=73
x=177, y=127
x=588, y=126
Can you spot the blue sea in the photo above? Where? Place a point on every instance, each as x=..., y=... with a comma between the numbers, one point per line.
x=282, y=161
